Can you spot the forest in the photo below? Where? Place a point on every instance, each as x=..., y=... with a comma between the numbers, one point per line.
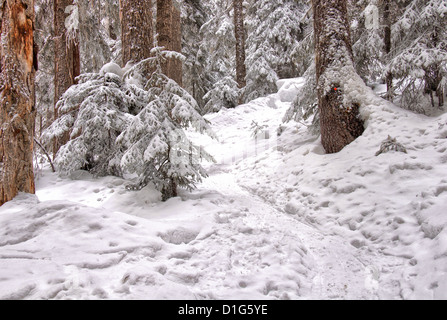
x=223, y=149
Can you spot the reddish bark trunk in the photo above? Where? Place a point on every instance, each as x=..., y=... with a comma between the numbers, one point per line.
x=17, y=112
x=137, y=34
x=164, y=30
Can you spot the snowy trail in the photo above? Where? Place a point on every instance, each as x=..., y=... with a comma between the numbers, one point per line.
x=319, y=266
x=275, y=219
x=331, y=267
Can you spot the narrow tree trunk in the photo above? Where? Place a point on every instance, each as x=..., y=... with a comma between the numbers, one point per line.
x=239, y=30
x=340, y=123
x=440, y=94
x=17, y=110
x=164, y=30
x=387, y=41
x=176, y=66
x=67, y=65
x=137, y=35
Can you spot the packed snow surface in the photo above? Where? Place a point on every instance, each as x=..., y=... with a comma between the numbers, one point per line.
x=277, y=218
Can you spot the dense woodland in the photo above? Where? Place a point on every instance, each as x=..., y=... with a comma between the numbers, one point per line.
x=109, y=86
x=223, y=149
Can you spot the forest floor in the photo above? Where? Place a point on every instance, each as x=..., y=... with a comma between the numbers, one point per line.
x=277, y=218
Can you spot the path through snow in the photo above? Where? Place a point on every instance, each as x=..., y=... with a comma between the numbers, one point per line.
x=276, y=219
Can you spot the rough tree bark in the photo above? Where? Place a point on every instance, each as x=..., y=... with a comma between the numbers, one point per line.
x=340, y=123
x=137, y=33
x=164, y=30
x=67, y=65
x=176, y=65
x=17, y=110
x=239, y=32
x=169, y=37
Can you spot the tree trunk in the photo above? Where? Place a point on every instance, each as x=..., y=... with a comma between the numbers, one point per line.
x=176, y=65
x=164, y=30
x=239, y=31
x=340, y=123
x=137, y=34
x=17, y=113
x=387, y=41
x=67, y=65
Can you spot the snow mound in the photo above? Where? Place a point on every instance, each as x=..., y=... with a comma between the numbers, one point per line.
x=391, y=203
x=113, y=68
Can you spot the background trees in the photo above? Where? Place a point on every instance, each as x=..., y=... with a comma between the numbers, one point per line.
x=67, y=64
x=276, y=32
x=234, y=51
x=239, y=32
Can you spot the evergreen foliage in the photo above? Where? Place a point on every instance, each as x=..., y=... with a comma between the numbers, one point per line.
x=420, y=54
x=119, y=126
x=274, y=32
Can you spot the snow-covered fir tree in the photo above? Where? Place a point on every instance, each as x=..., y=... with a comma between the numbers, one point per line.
x=156, y=146
x=97, y=27
x=367, y=30
x=121, y=126
x=194, y=15
x=217, y=51
x=418, y=60
x=95, y=112
x=274, y=32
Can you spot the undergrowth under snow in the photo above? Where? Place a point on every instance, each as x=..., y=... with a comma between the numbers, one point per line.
x=276, y=219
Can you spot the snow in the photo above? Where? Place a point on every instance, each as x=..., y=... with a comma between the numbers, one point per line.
x=113, y=68
x=277, y=218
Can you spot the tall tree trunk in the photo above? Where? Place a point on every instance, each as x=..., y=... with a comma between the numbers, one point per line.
x=387, y=41
x=340, y=123
x=67, y=65
x=17, y=113
x=164, y=30
x=169, y=37
x=239, y=30
x=176, y=65
x=137, y=35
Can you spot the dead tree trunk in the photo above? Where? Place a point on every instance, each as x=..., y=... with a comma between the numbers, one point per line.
x=239, y=30
x=67, y=65
x=340, y=123
x=137, y=33
x=17, y=113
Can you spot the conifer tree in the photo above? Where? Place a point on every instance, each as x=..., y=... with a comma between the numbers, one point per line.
x=419, y=52
x=339, y=119
x=276, y=31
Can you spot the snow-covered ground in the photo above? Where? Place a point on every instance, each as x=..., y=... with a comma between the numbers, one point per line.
x=276, y=219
